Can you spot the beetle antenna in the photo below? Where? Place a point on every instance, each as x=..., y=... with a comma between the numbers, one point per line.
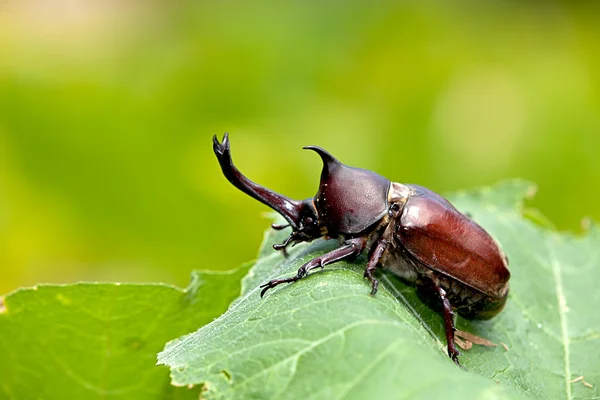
x=288, y=208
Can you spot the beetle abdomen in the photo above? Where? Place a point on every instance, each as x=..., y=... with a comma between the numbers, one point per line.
x=470, y=303
x=448, y=242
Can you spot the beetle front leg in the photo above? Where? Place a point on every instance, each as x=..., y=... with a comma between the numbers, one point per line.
x=353, y=248
x=376, y=255
x=431, y=292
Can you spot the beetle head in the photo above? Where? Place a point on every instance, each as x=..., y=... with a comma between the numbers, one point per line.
x=349, y=200
x=300, y=215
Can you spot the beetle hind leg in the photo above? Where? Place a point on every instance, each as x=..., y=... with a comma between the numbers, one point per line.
x=435, y=296
x=352, y=248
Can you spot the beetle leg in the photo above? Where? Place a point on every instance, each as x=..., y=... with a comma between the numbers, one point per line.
x=353, y=248
x=376, y=255
x=449, y=325
x=430, y=290
x=283, y=246
x=293, y=239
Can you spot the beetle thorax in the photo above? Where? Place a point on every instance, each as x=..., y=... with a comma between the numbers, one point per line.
x=350, y=200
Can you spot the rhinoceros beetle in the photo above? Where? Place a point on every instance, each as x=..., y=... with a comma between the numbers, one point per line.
x=408, y=229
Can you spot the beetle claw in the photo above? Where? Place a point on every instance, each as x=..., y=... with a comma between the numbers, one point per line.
x=374, y=286
x=454, y=358
x=267, y=286
x=374, y=282
x=283, y=246
x=271, y=284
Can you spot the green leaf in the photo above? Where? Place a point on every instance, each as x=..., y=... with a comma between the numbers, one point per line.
x=99, y=341
x=550, y=323
x=325, y=337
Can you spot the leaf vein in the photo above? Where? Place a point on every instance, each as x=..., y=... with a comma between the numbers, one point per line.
x=313, y=345
x=562, y=307
x=370, y=366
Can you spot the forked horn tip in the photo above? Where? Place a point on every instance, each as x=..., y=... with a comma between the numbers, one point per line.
x=221, y=147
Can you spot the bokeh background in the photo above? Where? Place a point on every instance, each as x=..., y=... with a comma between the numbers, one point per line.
x=107, y=109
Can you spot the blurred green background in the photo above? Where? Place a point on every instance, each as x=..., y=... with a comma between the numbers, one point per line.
x=107, y=109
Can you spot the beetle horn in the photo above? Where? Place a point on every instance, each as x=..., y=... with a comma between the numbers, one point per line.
x=330, y=163
x=288, y=208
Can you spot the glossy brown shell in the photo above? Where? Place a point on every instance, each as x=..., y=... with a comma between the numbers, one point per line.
x=447, y=241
